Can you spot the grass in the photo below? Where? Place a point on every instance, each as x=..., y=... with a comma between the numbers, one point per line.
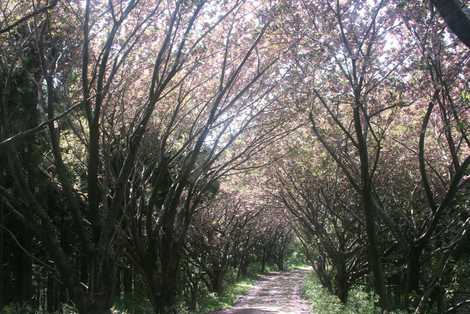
x=295, y=266
x=323, y=302
x=233, y=291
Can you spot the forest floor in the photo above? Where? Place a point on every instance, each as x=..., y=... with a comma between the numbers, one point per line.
x=274, y=293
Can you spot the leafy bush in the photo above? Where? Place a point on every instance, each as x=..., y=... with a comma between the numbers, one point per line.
x=296, y=259
x=360, y=301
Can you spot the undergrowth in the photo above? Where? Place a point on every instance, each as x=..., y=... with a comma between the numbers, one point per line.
x=233, y=291
x=323, y=302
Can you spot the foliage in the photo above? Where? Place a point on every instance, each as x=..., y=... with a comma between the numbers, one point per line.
x=296, y=258
x=360, y=300
x=233, y=291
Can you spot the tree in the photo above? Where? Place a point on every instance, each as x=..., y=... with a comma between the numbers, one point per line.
x=328, y=222
x=456, y=15
x=200, y=105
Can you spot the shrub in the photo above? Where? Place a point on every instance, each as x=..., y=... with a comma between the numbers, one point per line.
x=360, y=301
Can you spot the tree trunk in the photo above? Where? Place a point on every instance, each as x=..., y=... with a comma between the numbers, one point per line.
x=92, y=302
x=243, y=268
x=25, y=267
x=370, y=210
x=163, y=284
x=168, y=293
x=217, y=281
x=95, y=306
x=341, y=284
x=127, y=281
x=98, y=298
x=263, y=261
x=2, y=261
x=375, y=267
x=455, y=17
x=163, y=295
x=280, y=264
x=53, y=296
x=413, y=269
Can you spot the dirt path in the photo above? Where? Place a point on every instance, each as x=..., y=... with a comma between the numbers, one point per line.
x=274, y=293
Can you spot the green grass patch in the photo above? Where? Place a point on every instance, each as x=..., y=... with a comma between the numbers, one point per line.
x=360, y=301
x=291, y=267
x=233, y=291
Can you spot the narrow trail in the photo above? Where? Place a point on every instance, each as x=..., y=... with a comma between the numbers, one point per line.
x=274, y=293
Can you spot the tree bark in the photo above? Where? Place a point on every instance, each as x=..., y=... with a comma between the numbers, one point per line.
x=341, y=280
x=217, y=280
x=25, y=267
x=243, y=268
x=2, y=261
x=370, y=211
x=413, y=269
x=455, y=17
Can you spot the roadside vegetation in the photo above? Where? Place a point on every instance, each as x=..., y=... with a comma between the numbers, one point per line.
x=228, y=298
x=360, y=300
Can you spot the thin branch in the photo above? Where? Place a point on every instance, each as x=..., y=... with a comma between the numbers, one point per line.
x=14, y=138
x=28, y=16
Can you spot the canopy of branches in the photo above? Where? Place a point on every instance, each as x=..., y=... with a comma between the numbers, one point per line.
x=152, y=152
